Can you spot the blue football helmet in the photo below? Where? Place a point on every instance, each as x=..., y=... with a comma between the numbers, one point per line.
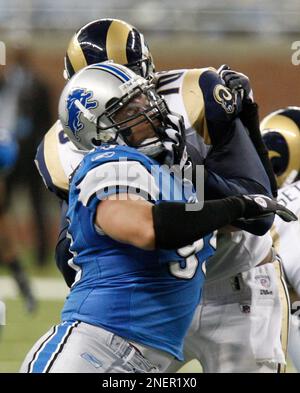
x=108, y=39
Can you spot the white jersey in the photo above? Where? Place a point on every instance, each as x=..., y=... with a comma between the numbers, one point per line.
x=56, y=159
x=286, y=236
x=241, y=324
x=184, y=92
x=236, y=251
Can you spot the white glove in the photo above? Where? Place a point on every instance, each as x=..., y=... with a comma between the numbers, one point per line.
x=174, y=141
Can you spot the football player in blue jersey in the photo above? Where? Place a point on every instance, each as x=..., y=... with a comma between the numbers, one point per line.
x=8, y=252
x=137, y=248
x=218, y=116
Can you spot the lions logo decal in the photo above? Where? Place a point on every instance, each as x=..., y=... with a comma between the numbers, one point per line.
x=223, y=96
x=74, y=112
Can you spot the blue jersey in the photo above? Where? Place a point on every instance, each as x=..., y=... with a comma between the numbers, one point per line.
x=145, y=296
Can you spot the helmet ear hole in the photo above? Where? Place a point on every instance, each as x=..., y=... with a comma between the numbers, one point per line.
x=111, y=102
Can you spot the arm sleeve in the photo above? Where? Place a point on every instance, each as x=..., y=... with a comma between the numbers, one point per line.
x=175, y=227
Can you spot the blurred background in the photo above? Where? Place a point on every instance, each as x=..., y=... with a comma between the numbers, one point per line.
x=252, y=36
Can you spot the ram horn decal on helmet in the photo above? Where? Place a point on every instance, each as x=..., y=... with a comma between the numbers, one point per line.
x=281, y=134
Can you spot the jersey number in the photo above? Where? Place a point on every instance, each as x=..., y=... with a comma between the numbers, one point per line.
x=191, y=261
x=165, y=80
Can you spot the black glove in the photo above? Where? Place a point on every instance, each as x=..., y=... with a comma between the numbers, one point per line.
x=261, y=205
x=236, y=82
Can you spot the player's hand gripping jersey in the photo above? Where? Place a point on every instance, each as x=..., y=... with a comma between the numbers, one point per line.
x=145, y=296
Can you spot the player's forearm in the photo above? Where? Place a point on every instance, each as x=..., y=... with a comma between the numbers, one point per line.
x=176, y=227
x=167, y=225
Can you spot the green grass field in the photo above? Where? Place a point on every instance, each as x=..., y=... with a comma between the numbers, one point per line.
x=22, y=330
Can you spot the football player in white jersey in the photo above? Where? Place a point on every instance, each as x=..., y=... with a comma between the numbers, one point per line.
x=248, y=295
x=242, y=323
x=281, y=133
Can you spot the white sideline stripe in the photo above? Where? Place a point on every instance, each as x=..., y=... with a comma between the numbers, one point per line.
x=43, y=288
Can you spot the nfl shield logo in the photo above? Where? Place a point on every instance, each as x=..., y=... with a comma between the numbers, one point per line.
x=263, y=280
x=245, y=308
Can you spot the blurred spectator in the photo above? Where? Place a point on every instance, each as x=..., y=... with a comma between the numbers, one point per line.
x=8, y=249
x=25, y=110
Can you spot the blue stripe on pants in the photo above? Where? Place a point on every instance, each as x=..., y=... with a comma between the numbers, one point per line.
x=52, y=346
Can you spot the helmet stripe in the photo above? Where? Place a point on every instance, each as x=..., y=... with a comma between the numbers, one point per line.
x=116, y=42
x=75, y=55
x=113, y=70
